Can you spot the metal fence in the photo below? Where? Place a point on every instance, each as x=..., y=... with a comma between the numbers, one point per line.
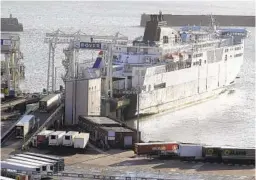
x=35, y=175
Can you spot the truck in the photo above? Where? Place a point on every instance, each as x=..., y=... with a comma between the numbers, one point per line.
x=25, y=125
x=50, y=102
x=56, y=138
x=238, y=154
x=81, y=140
x=189, y=151
x=68, y=138
x=42, y=138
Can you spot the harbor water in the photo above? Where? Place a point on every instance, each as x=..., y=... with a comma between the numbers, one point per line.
x=227, y=120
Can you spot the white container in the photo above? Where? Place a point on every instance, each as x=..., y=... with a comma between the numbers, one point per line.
x=55, y=139
x=21, y=167
x=68, y=138
x=190, y=151
x=49, y=166
x=24, y=126
x=81, y=140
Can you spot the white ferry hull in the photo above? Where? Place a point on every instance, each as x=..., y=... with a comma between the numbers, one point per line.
x=208, y=84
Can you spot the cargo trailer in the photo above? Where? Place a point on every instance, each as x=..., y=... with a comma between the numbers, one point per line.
x=56, y=138
x=190, y=151
x=53, y=162
x=43, y=167
x=5, y=178
x=20, y=167
x=81, y=140
x=25, y=126
x=240, y=154
x=49, y=102
x=46, y=166
x=60, y=160
x=42, y=138
x=68, y=138
x=157, y=148
x=211, y=153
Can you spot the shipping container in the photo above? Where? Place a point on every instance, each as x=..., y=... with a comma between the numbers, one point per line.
x=20, y=167
x=60, y=160
x=55, y=163
x=44, y=168
x=68, y=138
x=232, y=153
x=190, y=151
x=211, y=153
x=5, y=178
x=48, y=164
x=157, y=148
x=56, y=138
x=81, y=140
x=24, y=126
x=42, y=138
x=50, y=102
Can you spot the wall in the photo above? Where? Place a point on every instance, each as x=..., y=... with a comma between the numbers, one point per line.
x=68, y=102
x=86, y=99
x=94, y=97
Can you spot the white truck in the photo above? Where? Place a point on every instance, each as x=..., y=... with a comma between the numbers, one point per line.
x=56, y=138
x=81, y=140
x=68, y=138
x=189, y=151
x=24, y=126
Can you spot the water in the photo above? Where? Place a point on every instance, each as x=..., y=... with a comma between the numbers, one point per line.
x=228, y=120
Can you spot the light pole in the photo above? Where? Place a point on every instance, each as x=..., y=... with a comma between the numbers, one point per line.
x=138, y=115
x=55, y=79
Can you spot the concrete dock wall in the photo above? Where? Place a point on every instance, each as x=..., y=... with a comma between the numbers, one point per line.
x=204, y=20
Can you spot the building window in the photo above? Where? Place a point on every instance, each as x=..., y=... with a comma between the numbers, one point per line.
x=226, y=57
x=165, y=39
x=204, y=61
x=200, y=62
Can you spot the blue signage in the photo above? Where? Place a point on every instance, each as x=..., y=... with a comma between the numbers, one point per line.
x=90, y=45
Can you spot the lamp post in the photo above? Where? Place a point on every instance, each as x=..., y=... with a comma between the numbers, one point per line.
x=138, y=115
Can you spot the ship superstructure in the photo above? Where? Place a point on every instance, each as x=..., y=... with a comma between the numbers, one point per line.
x=171, y=68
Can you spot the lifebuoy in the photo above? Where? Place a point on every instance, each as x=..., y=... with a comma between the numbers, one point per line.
x=227, y=152
x=210, y=151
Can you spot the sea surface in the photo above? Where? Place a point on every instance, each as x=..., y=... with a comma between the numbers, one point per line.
x=227, y=120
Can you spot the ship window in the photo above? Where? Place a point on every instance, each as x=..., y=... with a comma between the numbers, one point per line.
x=165, y=39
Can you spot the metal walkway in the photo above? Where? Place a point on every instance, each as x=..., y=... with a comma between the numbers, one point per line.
x=46, y=119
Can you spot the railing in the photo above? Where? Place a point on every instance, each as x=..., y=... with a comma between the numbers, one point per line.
x=92, y=176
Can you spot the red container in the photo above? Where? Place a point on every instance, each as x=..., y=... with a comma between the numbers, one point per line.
x=156, y=148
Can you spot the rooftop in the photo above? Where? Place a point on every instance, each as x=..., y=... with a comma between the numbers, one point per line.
x=99, y=120
x=117, y=129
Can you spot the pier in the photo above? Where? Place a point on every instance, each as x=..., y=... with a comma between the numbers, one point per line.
x=203, y=20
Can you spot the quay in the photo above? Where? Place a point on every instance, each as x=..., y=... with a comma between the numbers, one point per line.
x=203, y=20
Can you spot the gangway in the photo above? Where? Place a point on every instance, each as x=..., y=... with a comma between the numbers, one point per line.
x=9, y=132
x=46, y=119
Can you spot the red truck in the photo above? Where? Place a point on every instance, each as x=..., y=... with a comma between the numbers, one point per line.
x=156, y=148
